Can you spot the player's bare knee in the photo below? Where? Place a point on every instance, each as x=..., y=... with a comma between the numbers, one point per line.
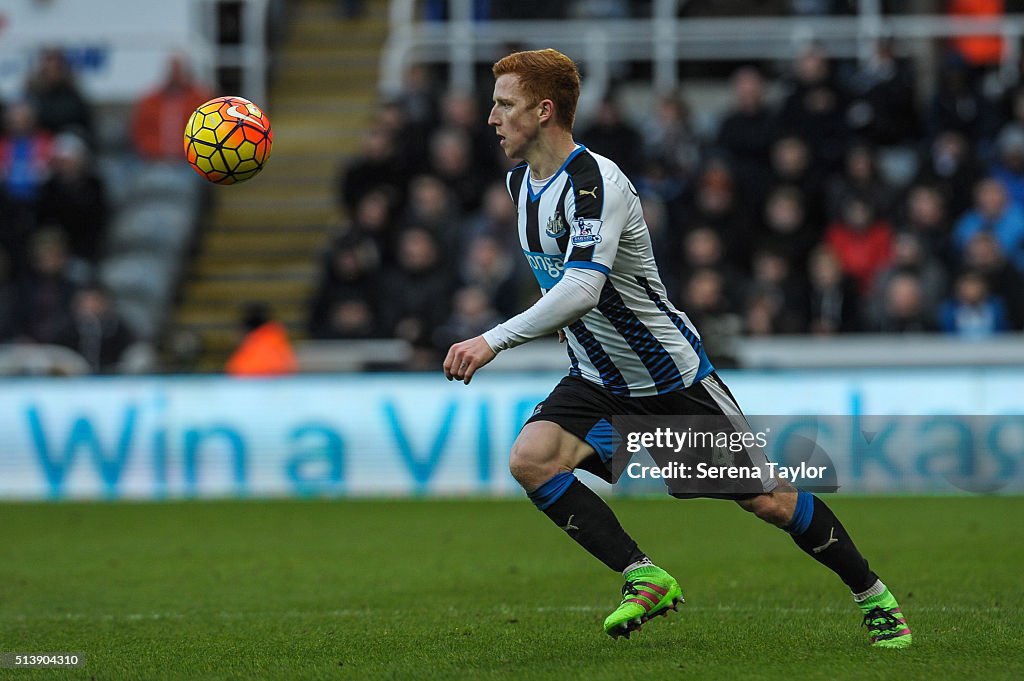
x=531, y=465
x=768, y=507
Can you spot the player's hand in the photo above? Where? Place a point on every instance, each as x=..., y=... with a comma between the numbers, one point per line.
x=465, y=358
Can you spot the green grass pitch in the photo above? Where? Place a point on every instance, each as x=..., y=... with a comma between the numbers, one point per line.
x=491, y=590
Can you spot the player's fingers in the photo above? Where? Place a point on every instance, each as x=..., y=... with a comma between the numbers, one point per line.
x=449, y=361
x=461, y=365
x=471, y=368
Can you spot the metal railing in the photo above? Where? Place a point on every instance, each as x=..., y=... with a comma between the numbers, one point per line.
x=248, y=56
x=664, y=40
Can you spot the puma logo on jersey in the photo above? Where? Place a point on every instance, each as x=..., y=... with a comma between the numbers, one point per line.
x=568, y=524
x=590, y=192
x=831, y=540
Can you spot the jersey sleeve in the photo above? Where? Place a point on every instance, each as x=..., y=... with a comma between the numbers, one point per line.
x=598, y=214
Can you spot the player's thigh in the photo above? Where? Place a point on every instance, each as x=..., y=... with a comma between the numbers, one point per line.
x=544, y=447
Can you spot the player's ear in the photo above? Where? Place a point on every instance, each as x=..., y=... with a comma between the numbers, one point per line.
x=546, y=110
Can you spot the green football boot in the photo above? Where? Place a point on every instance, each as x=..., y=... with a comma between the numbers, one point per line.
x=885, y=621
x=648, y=592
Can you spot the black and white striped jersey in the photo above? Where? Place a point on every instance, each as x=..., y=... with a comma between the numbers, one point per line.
x=634, y=342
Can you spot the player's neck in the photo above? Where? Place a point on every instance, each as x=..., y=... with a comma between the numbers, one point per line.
x=550, y=154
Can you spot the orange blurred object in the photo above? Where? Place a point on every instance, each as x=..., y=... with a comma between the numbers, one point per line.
x=982, y=50
x=265, y=351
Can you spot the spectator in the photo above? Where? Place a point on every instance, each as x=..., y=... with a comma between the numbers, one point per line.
x=659, y=182
x=882, y=108
x=26, y=160
x=451, y=161
x=776, y=288
x=785, y=230
x=43, y=303
x=348, y=318
x=791, y=165
x=95, y=330
x=704, y=299
x=717, y=206
x=59, y=103
x=490, y=269
x=983, y=255
x=418, y=290
x=431, y=207
x=656, y=216
x=416, y=99
x=994, y=212
x=1012, y=101
x=472, y=315
x=748, y=127
x=74, y=198
x=909, y=256
x=977, y=51
x=1009, y=166
x=950, y=165
x=375, y=219
x=760, y=315
x=669, y=137
x=861, y=241
x=814, y=109
x=903, y=309
x=833, y=301
x=609, y=134
x=496, y=218
x=860, y=176
x=973, y=312
x=349, y=276
x=459, y=111
x=159, y=118
x=926, y=217
x=375, y=166
x=412, y=156
x=958, y=104
x=703, y=248
x=265, y=349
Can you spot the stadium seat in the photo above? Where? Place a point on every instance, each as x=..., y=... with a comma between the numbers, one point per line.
x=142, y=284
x=117, y=171
x=27, y=359
x=163, y=180
x=159, y=226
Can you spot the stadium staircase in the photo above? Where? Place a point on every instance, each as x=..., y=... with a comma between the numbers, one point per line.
x=262, y=239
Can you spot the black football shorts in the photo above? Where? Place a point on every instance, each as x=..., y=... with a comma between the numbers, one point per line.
x=588, y=411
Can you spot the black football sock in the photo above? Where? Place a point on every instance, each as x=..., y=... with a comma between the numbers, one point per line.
x=586, y=518
x=817, y=530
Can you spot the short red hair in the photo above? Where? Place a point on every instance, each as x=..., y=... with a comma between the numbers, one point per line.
x=545, y=74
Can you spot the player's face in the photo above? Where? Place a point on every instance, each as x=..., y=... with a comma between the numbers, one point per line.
x=514, y=117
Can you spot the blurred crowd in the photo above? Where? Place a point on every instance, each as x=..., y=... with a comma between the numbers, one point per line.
x=827, y=198
x=55, y=210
